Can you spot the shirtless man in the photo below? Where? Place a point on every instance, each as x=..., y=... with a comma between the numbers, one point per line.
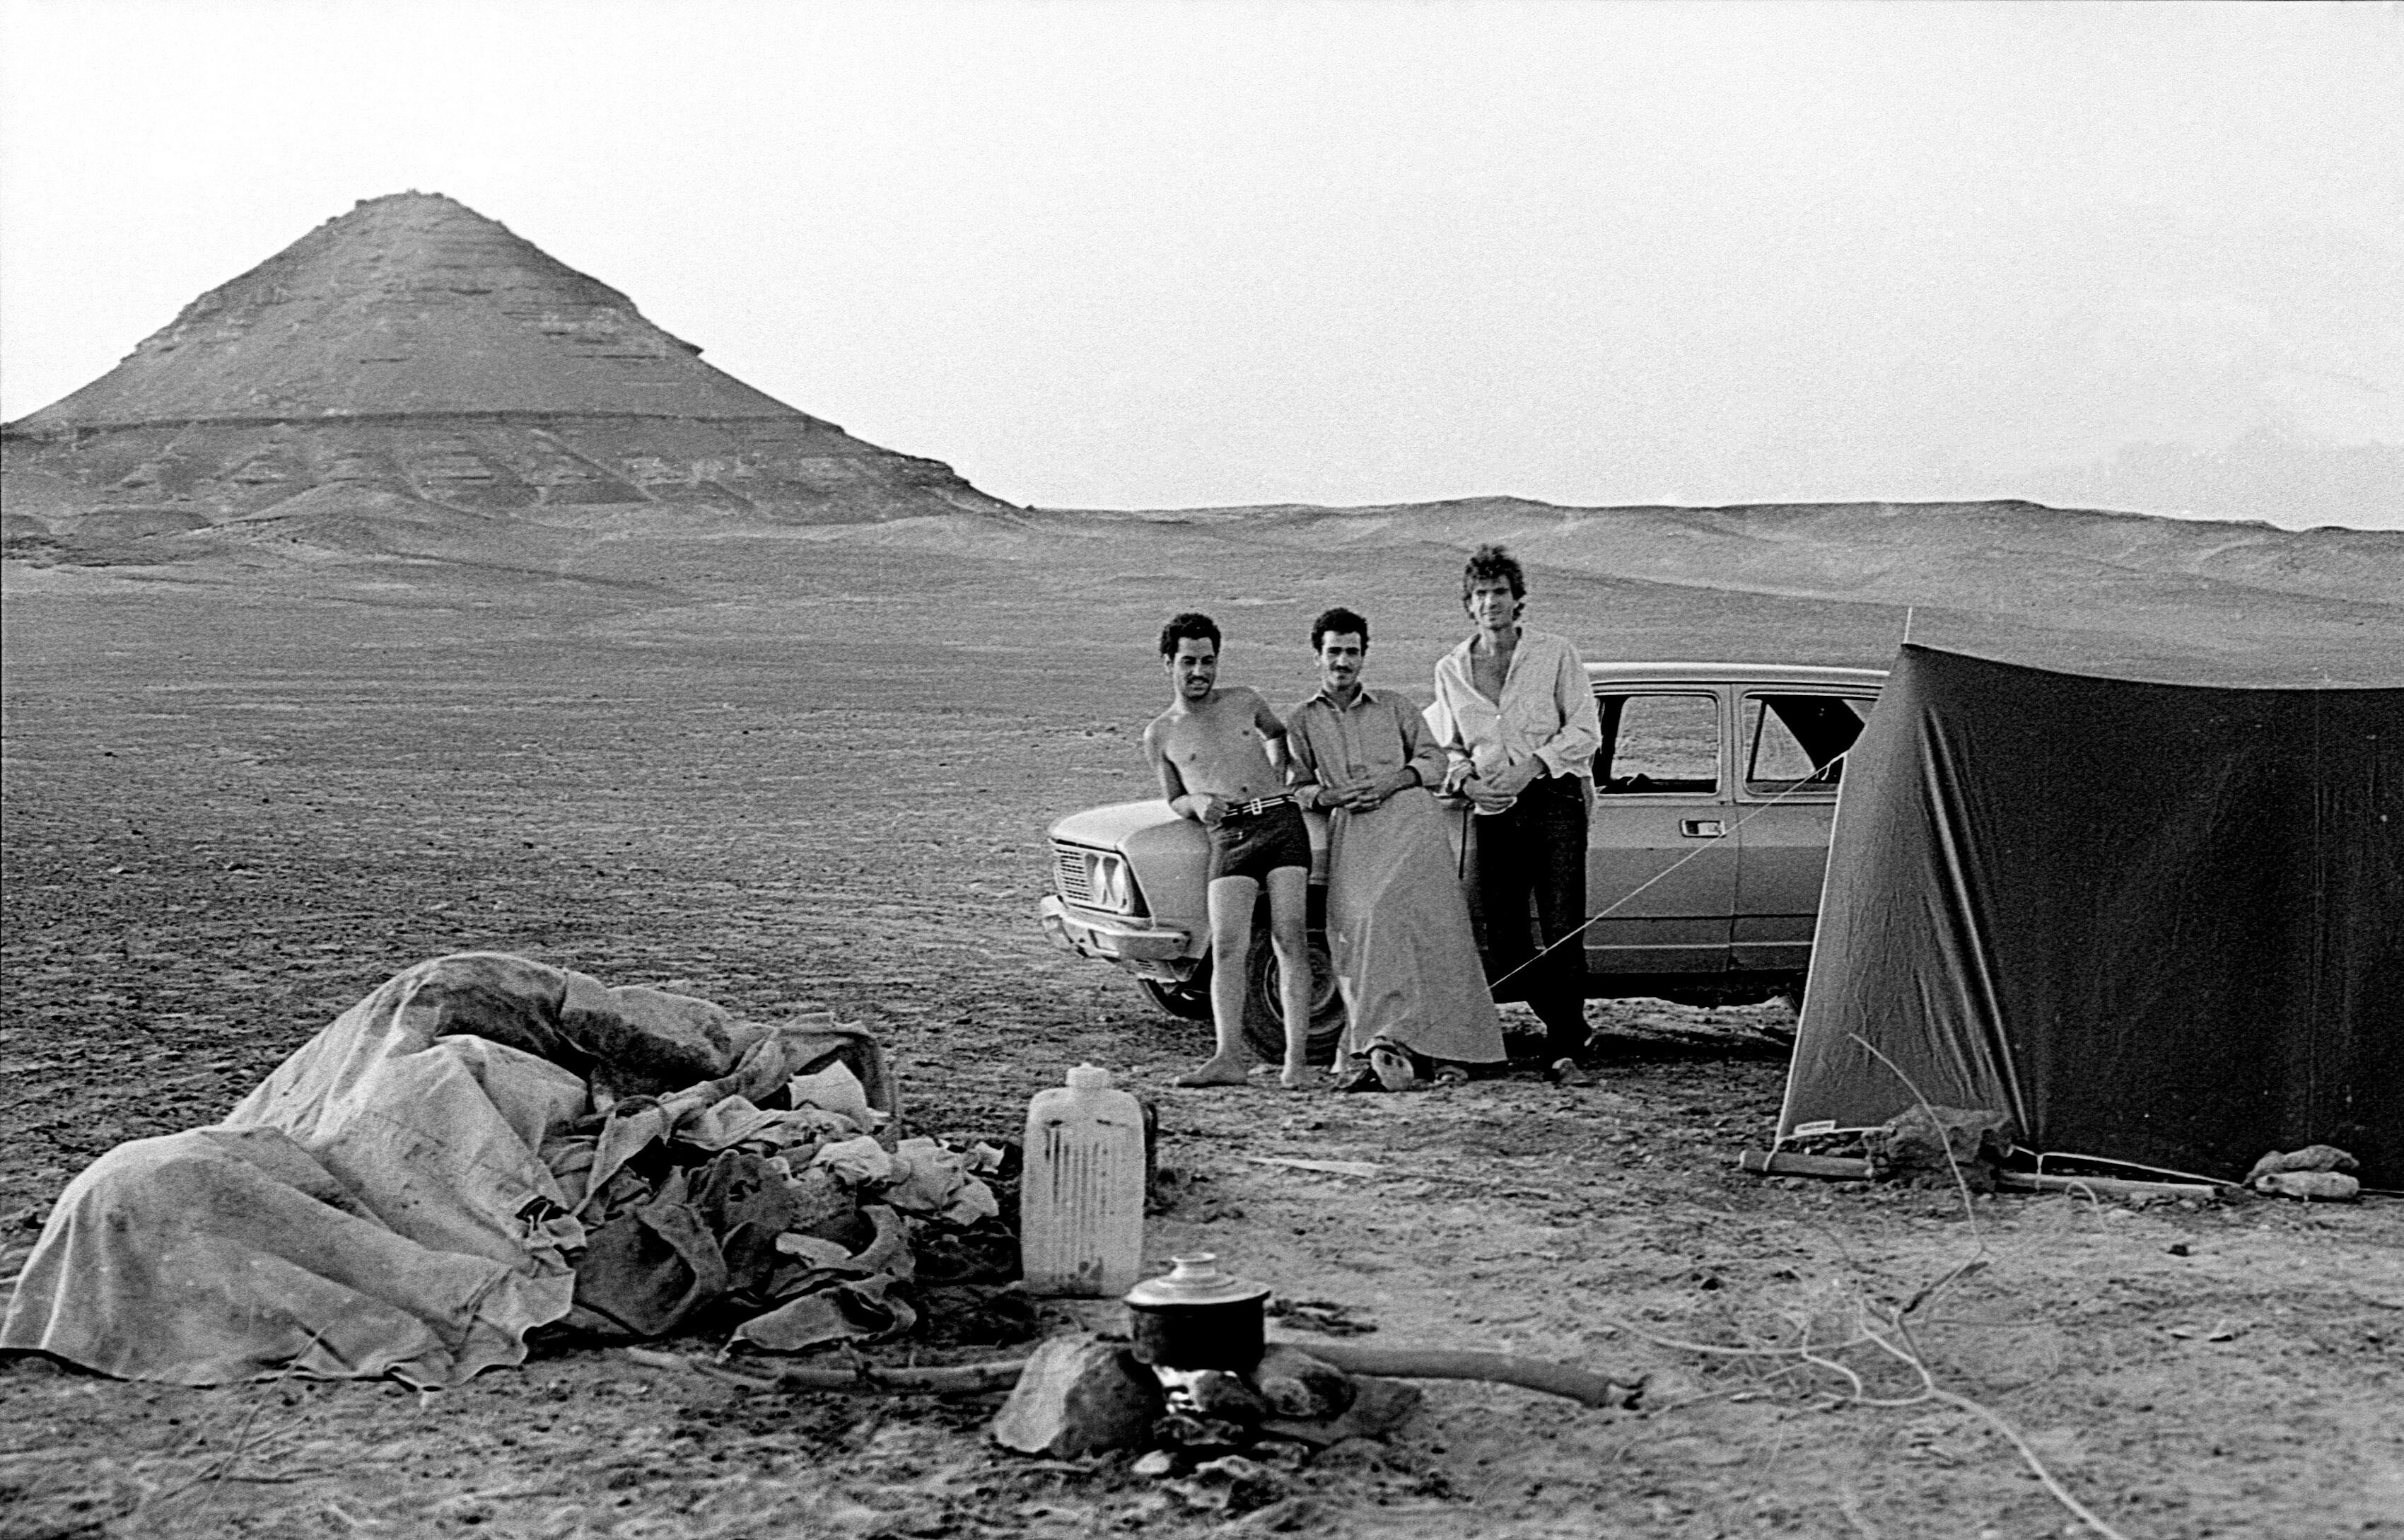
x=1211, y=749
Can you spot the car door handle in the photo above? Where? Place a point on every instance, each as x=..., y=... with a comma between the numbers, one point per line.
x=1700, y=827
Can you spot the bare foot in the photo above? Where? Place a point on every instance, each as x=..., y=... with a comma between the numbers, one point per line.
x=1221, y=1071
x=1299, y=1077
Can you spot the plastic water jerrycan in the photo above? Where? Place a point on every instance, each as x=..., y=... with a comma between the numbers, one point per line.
x=1081, y=1196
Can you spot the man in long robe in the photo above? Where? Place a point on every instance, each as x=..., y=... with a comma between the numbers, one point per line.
x=1406, y=958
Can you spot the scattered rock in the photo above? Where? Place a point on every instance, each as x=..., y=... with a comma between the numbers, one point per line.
x=2312, y=1157
x=1280, y=1456
x=1227, y=1398
x=1231, y=1485
x=1379, y=1406
x=1296, y=1386
x=465, y=1509
x=2312, y=1186
x=1350, y=1454
x=1078, y=1395
x=1185, y=1431
x=1323, y=1316
x=1924, y=1146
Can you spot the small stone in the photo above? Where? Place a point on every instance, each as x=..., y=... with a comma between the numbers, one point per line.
x=2312, y=1157
x=1287, y=1516
x=1280, y=1456
x=1158, y=1463
x=463, y=1509
x=1297, y=1386
x=1227, y=1397
x=1379, y=1406
x=1185, y=1431
x=1350, y=1454
x=1230, y=1485
x=2312, y=1186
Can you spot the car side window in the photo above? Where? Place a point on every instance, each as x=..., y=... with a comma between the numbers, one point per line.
x=1657, y=743
x=1795, y=740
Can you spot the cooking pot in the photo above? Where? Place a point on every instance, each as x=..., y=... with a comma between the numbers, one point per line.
x=1196, y=1317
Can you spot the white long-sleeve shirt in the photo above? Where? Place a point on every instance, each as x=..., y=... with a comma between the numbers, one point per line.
x=1546, y=711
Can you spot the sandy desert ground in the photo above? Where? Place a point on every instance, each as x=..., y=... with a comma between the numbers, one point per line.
x=818, y=768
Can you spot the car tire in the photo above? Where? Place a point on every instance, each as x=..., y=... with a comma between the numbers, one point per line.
x=1264, y=1016
x=1188, y=1000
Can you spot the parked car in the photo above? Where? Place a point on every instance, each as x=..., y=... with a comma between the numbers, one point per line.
x=1715, y=788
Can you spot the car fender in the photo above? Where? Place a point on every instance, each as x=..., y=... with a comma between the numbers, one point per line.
x=1169, y=855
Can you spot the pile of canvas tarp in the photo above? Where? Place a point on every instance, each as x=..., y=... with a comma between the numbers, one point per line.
x=483, y=1146
x=2152, y=923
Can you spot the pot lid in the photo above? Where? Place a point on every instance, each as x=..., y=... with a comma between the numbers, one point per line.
x=1194, y=1281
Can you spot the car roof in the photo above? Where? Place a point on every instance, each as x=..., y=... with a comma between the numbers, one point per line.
x=1730, y=673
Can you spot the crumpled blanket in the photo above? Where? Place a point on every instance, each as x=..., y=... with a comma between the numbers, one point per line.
x=732, y=1207
x=380, y=1203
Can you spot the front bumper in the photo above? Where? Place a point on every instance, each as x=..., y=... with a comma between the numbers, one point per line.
x=1141, y=946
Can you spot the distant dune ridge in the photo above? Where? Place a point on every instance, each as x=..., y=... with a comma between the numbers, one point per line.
x=1899, y=552
x=410, y=404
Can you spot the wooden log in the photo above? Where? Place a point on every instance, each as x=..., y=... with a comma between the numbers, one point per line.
x=1533, y=1374
x=961, y=1380
x=866, y=1379
x=1786, y=1163
x=2106, y=1187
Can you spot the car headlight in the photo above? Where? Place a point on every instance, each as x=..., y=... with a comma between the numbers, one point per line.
x=1112, y=887
x=1098, y=880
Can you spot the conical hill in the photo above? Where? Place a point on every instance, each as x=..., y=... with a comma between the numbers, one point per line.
x=413, y=346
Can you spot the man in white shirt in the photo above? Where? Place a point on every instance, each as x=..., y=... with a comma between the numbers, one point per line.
x=1517, y=720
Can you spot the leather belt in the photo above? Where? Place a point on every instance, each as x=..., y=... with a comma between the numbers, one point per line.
x=1258, y=806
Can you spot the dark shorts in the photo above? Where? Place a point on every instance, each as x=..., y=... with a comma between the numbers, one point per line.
x=1254, y=845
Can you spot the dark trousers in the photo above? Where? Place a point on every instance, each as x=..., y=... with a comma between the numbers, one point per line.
x=1538, y=849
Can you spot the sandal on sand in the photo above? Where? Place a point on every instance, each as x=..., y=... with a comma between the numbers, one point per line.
x=1450, y=1074
x=1361, y=1080
x=1392, y=1066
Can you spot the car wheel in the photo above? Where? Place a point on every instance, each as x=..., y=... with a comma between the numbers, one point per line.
x=1188, y=1000
x=1264, y=1016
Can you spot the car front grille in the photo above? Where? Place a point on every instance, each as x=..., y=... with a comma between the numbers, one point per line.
x=1074, y=873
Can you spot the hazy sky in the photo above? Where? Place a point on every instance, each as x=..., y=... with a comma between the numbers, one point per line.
x=1150, y=255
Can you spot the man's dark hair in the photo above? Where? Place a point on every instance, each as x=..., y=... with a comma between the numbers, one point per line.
x=1191, y=623
x=1341, y=622
x=1487, y=563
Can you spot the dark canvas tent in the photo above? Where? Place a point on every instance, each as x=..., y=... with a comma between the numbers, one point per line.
x=2153, y=923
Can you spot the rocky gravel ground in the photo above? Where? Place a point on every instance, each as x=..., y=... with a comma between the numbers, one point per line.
x=229, y=816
